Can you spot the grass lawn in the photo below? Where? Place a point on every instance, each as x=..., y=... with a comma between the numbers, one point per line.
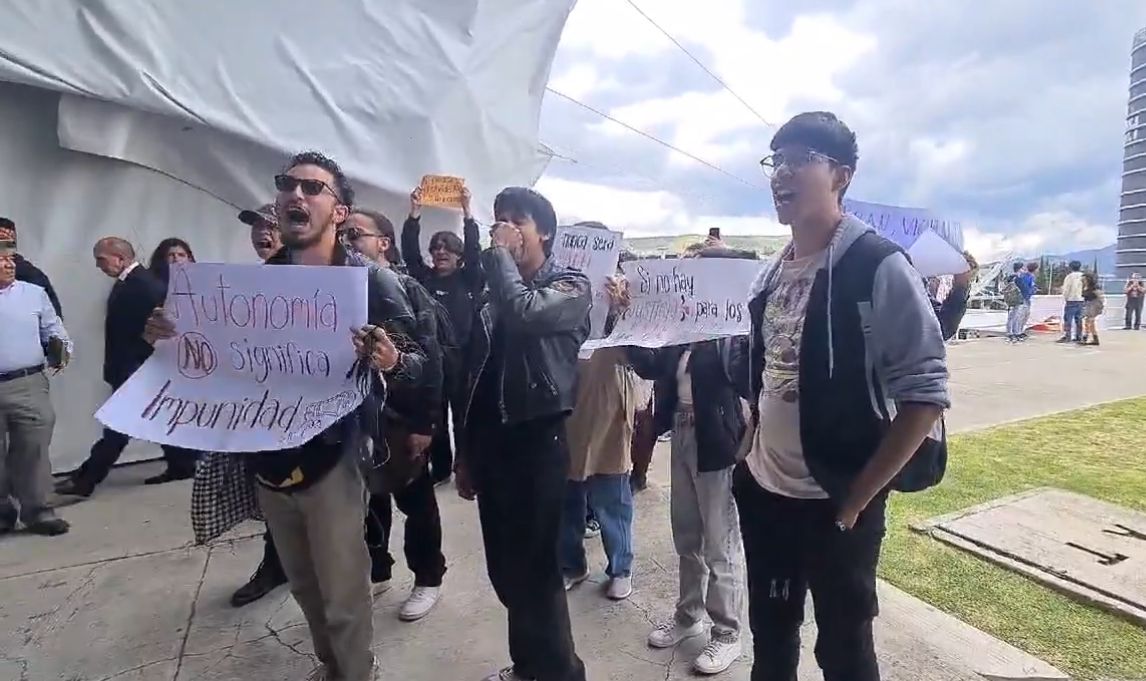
x=1100, y=452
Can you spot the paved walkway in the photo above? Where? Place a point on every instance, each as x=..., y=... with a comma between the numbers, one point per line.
x=124, y=597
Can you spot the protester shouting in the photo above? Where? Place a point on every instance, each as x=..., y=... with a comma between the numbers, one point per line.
x=314, y=495
x=521, y=377
x=372, y=234
x=847, y=376
x=266, y=240
x=455, y=280
x=697, y=401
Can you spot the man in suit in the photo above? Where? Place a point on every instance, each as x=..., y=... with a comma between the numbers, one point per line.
x=135, y=294
x=26, y=271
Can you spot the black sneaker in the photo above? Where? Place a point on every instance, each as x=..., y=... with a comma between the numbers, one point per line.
x=169, y=476
x=73, y=487
x=264, y=581
x=49, y=527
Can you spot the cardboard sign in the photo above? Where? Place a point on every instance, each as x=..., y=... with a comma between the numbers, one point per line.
x=442, y=190
x=675, y=302
x=259, y=363
x=594, y=252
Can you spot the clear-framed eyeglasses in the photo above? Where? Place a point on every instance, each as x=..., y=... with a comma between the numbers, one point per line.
x=793, y=160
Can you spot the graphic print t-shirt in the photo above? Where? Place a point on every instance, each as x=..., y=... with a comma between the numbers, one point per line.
x=777, y=456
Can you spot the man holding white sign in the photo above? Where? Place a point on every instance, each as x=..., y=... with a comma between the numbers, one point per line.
x=314, y=494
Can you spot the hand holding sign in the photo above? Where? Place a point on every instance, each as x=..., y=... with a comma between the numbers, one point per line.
x=158, y=327
x=416, y=203
x=617, y=288
x=373, y=344
x=442, y=190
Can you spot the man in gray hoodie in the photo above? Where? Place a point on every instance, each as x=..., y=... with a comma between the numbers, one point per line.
x=847, y=376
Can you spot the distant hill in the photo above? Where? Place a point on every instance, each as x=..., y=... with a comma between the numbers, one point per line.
x=673, y=245
x=1104, y=257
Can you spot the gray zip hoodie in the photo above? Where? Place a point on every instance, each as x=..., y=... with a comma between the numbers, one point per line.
x=904, y=345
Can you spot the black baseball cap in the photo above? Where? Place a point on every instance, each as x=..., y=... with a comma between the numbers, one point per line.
x=266, y=212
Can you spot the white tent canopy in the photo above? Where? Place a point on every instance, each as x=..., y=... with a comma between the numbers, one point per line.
x=148, y=120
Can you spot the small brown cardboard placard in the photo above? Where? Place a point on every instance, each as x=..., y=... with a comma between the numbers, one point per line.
x=442, y=190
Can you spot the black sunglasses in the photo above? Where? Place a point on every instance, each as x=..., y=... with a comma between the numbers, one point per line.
x=288, y=183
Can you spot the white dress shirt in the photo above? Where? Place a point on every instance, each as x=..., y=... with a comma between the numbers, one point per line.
x=127, y=270
x=28, y=320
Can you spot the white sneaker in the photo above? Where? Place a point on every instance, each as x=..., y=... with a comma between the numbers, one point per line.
x=668, y=634
x=571, y=582
x=717, y=656
x=620, y=588
x=506, y=674
x=421, y=601
x=379, y=588
x=592, y=529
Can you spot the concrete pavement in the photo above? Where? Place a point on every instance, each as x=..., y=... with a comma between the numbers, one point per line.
x=125, y=597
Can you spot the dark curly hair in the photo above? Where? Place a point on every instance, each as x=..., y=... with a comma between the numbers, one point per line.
x=341, y=182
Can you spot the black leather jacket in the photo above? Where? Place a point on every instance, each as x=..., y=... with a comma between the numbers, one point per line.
x=543, y=323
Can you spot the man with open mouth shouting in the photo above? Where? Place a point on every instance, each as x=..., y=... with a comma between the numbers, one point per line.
x=847, y=376
x=314, y=496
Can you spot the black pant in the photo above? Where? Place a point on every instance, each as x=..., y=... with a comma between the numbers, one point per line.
x=1134, y=312
x=107, y=450
x=791, y=546
x=423, y=541
x=271, y=555
x=441, y=447
x=521, y=472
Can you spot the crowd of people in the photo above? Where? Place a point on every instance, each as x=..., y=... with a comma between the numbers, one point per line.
x=785, y=442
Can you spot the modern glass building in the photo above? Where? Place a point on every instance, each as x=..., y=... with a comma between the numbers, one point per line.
x=1131, y=249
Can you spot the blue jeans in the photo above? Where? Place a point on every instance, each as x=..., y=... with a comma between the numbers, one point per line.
x=1072, y=314
x=611, y=499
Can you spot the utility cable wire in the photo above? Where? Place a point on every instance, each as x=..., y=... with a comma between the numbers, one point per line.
x=699, y=63
x=653, y=138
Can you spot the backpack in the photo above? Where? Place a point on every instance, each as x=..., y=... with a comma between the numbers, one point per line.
x=928, y=464
x=1012, y=294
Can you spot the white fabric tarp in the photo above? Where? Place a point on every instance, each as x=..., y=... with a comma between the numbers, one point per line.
x=182, y=112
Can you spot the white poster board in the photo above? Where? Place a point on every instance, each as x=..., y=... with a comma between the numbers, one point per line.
x=934, y=243
x=260, y=361
x=683, y=301
x=595, y=253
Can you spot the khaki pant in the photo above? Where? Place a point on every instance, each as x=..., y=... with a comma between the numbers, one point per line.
x=318, y=534
x=26, y=423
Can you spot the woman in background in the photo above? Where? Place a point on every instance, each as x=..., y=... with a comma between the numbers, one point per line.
x=169, y=252
x=1093, y=303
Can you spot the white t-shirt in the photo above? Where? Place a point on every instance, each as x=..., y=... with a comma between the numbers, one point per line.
x=684, y=382
x=776, y=459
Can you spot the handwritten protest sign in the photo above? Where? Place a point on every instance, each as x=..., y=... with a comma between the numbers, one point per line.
x=442, y=190
x=595, y=253
x=916, y=230
x=683, y=301
x=260, y=361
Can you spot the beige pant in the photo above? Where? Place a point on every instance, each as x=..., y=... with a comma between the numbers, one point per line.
x=318, y=535
x=26, y=423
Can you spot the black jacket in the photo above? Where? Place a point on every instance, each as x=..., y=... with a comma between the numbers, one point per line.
x=458, y=292
x=541, y=325
x=717, y=405
x=129, y=304
x=26, y=271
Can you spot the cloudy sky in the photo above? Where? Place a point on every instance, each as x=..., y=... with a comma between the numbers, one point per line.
x=1006, y=116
